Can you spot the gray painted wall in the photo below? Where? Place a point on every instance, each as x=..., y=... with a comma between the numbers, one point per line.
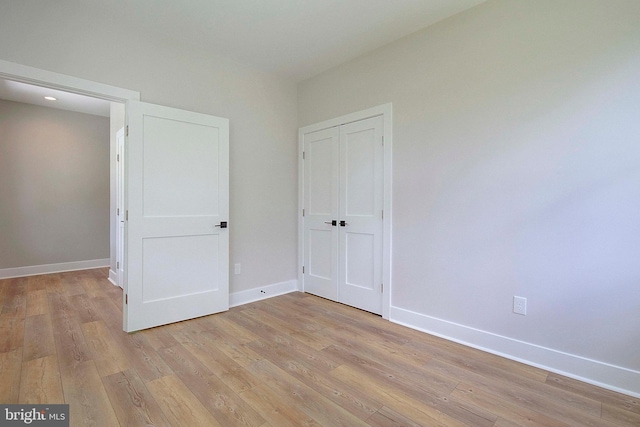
x=54, y=186
x=516, y=170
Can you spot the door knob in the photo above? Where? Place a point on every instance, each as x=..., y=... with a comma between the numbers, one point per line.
x=332, y=222
x=343, y=223
x=223, y=224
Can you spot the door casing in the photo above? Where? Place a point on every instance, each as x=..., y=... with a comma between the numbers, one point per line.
x=384, y=110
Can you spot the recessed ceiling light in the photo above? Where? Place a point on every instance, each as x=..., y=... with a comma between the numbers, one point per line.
x=50, y=98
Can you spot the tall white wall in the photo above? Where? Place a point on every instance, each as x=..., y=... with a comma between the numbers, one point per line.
x=69, y=38
x=516, y=158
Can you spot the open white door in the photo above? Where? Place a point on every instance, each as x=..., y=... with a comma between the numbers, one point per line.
x=120, y=206
x=177, y=201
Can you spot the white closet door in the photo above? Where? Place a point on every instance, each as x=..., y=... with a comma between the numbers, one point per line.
x=321, y=208
x=360, y=207
x=343, y=202
x=177, y=260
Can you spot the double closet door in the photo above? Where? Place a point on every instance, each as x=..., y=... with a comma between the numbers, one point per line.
x=343, y=213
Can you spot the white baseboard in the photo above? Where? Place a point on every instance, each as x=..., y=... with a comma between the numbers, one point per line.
x=34, y=270
x=263, y=292
x=113, y=278
x=601, y=374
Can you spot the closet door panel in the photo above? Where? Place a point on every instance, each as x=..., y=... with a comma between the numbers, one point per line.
x=360, y=207
x=321, y=208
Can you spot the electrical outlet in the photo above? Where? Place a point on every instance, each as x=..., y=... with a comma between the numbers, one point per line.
x=236, y=268
x=520, y=305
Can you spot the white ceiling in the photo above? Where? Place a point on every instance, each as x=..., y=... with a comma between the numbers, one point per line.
x=294, y=38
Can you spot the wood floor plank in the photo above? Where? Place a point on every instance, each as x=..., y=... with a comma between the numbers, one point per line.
x=291, y=327
x=505, y=409
x=223, y=403
x=314, y=404
x=277, y=408
x=72, y=283
x=608, y=397
x=434, y=393
x=620, y=416
x=11, y=332
x=231, y=344
x=108, y=312
x=384, y=351
x=402, y=404
x=10, y=373
x=40, y=381
x=501, y=422
x=37, y=302
x=386, y=417
x=71, y=347
x=84, y=308
x=158, y=337
x=60, y=305
x=132, y=402
x=180, y=406
x=223, y=323
x=428, y=381
x=348, y=396
x=301, y=321
x=15, y=297
x=109, y=358
x=92, y=286
x=141, y=355
x=532, y=392
x=224, y=367
x=247, y=319
x=37, y=283
x=89, y=404
x=53, y=283
x=38, y=337
x=541, y=404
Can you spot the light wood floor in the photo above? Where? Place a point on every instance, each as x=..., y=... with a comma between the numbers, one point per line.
x=293, y=360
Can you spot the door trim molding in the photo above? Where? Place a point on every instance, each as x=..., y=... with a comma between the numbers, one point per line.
x=50, y=79
x=384, y=110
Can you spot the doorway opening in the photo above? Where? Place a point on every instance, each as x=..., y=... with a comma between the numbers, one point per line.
x=90, y=97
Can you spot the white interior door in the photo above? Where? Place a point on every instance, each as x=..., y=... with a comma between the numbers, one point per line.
x=321, y=213
x=177, y=252
x=361, y=205
x=343, y=223
x=120, y=207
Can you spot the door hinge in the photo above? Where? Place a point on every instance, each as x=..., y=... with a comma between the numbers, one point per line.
x=382, y=288
x=127, y=131
x=126, y=215
x=302, y=212
x=118, y=211
x=303, y=269
x=383, y=140
x=126, y=298
x=117, y=157
x=118, y=265
x=303, y=155
x=383, y=214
